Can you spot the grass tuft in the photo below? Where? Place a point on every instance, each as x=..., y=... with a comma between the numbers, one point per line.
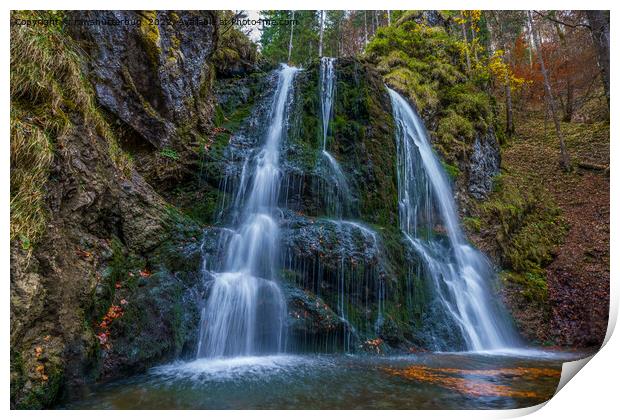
x=48, y=86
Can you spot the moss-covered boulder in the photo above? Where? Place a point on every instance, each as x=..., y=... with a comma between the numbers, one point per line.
x=360, y=138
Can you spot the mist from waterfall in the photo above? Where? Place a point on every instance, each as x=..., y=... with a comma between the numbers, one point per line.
x=245, y=311
x=459, y=274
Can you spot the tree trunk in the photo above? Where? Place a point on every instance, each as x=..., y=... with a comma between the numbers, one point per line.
x=322, y=23
x=389, y=17
x=510, y=128
x=530, y=41
x=564, y=157
x=365, y=29
x=599, y=25
x=473, y=38
x=568, y=107
x=464, y=32
x=290, y=42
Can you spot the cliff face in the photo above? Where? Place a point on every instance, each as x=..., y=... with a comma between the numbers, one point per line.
x=155, y=74
x=102, y=266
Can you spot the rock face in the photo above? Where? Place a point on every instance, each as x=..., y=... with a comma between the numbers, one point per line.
x=483, y=165
x=152, y=71
x=112, y=286
x=54, y=318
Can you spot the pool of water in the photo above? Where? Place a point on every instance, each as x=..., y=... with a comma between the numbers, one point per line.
x=494, y=380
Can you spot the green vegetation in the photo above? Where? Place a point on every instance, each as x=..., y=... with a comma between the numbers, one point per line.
x=48, y=88
x=426, y=64
x=275, y=38
x=527, y=227
x=234, y=51
x=169, y=153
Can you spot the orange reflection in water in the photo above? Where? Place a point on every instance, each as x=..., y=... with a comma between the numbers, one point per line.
x=477, y=387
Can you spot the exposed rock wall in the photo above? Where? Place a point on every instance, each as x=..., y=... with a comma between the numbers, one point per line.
x=153, y=72
x=111, y=286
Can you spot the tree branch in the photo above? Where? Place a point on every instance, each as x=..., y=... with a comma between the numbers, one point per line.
x=570, y=25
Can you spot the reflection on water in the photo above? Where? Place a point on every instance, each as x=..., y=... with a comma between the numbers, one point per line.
x=421, y=381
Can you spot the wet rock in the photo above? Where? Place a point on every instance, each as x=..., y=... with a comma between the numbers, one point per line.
x=332, y=240
x=483, y=164
x=312, y=325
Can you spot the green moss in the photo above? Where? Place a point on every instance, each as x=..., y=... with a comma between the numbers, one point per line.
x=40, y=393
x=533, y=284
x=424, y=64
x=364, y=140
x=233, y=47
x=472, y=224
x=527, y=227
x=452, y=170
x=169, y=153
x=151, y=39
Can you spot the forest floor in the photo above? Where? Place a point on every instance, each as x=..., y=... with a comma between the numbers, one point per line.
x=578, y=276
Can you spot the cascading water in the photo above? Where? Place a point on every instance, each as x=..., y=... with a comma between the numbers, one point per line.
x=327, y=82
x=458, y=272
x=344, y=267
x=328, y=77
x=245, y=312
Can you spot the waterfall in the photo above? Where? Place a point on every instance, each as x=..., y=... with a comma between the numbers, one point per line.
x=245, y=311
x=327, y=81
x=328, y=77
x=458, y=273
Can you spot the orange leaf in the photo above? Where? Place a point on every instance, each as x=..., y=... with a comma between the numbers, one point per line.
x=83, y=254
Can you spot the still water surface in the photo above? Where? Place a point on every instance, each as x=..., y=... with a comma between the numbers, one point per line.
x=421, y=381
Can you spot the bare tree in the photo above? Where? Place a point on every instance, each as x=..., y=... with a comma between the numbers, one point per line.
x=564, y=157
x=599, y=25
x=389, y=13
x=464, y=32
x=290, y=42
x=322, y=27
x=365, y=29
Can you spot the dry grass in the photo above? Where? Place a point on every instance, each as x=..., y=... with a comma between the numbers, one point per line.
x=31, y=155
x=47, y=86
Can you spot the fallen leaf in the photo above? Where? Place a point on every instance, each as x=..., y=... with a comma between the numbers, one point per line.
x=83, y=254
